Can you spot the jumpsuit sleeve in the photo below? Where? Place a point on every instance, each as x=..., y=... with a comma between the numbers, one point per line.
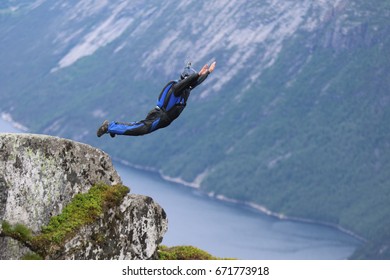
x=181, y=85
x=201, y=79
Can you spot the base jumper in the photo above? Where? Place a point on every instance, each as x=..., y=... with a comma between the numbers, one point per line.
x=171, y=102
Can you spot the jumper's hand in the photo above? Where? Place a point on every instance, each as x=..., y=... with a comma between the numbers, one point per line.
x=204, y=70
x=212, y=66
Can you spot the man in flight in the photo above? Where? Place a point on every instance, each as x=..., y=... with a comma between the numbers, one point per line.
x=171, y=102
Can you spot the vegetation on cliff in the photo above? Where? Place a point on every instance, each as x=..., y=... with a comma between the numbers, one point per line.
x=82, y=210
x=184, y=253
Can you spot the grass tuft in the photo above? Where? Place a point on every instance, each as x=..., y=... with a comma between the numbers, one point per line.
x=184, y=253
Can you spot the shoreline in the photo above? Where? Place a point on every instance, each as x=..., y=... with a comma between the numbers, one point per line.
x=254, y=206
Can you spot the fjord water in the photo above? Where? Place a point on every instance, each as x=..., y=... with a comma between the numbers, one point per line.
x=228, y=230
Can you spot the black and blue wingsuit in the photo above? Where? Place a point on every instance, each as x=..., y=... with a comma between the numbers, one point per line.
x=171, y=102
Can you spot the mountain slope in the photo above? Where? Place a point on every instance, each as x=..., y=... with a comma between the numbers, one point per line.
x=294, y=117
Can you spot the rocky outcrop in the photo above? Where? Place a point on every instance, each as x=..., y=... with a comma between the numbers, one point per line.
x=40, y=175
x=131, y=231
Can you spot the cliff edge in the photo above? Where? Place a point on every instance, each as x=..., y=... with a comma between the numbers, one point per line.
x=40, y=176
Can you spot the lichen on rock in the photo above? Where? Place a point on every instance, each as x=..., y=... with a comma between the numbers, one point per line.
x=41, y=175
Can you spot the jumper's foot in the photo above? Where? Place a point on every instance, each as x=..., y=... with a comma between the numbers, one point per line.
x=102, y=129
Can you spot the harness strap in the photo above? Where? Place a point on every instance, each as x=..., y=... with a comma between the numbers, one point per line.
x=164, y=96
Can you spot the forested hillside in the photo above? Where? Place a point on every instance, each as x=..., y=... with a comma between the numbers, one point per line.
x=294, y=118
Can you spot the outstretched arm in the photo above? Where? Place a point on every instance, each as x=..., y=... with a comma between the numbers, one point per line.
x=204, y=73
x=179, y=86
x=194, y=79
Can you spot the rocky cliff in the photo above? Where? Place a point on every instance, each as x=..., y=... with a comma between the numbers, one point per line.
x=40, y=176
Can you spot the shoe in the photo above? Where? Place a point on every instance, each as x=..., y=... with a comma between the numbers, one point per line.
x=102, y=129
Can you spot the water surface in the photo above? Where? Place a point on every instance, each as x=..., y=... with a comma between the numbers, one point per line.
x=229, y=230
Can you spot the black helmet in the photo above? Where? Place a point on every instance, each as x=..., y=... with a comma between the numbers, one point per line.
x=187, y=71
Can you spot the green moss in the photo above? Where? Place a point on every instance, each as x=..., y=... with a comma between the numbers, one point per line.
x=183, y=253
x=82, y=210
x=31, y=256
x=18, y=231
x=6, y=227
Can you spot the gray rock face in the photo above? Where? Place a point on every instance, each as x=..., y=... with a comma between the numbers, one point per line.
x=131, y=231
x=39, y=176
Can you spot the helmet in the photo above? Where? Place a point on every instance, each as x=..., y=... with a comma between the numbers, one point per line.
x=187, y=71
